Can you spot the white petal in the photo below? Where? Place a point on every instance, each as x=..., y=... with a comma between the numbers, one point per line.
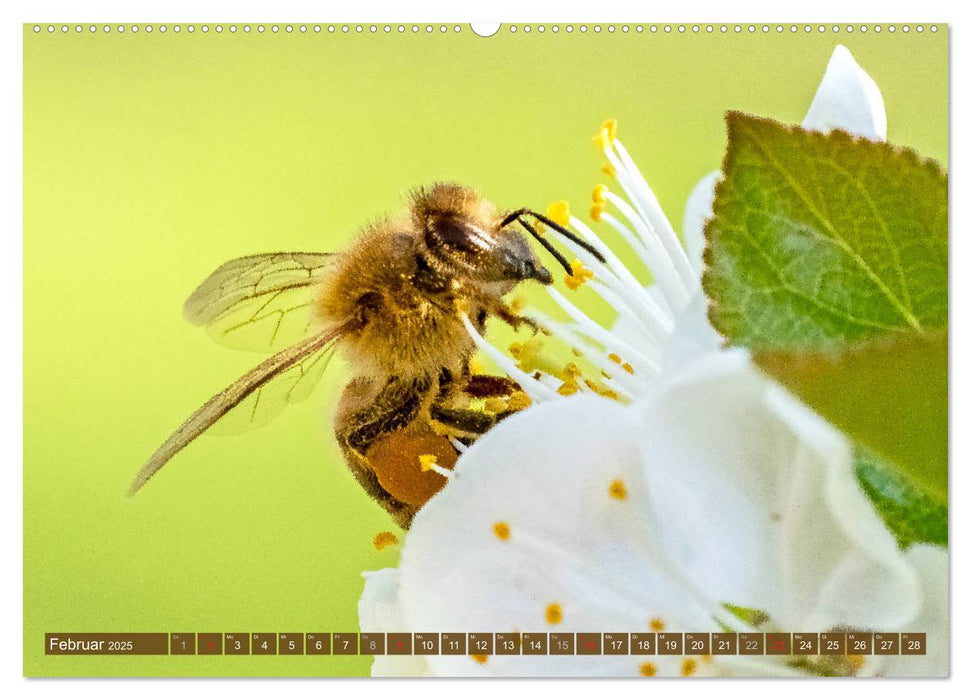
x=696, y=212
x=762, y=508
x=931, y=565
x=380, y=611
x=692, y=337
x=847, y=99
x=854, y=573
x=546, y=473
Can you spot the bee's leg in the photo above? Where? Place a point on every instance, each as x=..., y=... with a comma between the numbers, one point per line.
x=468, y=420
x=397, y=405
x=506, y=315
x=394, y=407
x=484, y=386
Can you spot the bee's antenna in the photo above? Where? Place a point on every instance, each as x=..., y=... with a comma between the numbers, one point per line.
x=562, y=230
x=546, y=244
x=567, y=233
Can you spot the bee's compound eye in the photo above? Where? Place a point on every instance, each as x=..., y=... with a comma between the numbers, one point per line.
x=447, y=232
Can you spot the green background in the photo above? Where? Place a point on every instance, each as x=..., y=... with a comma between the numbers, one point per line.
x=149, y=159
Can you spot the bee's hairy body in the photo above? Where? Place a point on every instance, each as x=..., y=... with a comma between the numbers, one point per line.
x=395, y=303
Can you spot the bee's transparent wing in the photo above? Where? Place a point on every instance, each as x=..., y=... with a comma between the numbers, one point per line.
x=287, y=376
x=268, y=401
x=259, y=302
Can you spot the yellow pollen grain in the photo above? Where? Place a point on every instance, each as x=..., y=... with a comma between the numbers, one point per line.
x=427, y=462
x=501, y=530
x=598, y=194
x=517, y=304
x=596, y=210
x=480, y=658
x=475, y=366
x=618, y=490
x=578, y=276
x=554, y=614
x=576, y=352
x=708, y=658
x=461, y=306
x=648, y=669
x=607, y=169
x=384, y=539
x=688, y=667
x=518, y=401
x=495, y=405
x=559, y=212
x=568, y=388
x=615, y=358
x=855, y=661
x=628, y=367
x=657, y=624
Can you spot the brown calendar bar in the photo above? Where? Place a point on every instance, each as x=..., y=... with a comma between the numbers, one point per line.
x=843, y=643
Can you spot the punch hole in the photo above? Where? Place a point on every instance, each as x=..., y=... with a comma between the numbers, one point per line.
x=485, y=29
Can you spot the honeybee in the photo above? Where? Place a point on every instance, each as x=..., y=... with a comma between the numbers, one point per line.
x=393, y=303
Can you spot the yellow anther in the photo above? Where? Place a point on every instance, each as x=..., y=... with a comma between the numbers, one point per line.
x=608, y=169
x=568, y=388
x=427, y=462
x=598, y=194
x=495, y=405
x=628, y=367
x=528, y=353
x=518, y=401
x=559, y=212
x=604, y=374
x=571, y=371
x=480, y=658
x=461, y=306
x=501, y=530
x=610, y=126
x=596, y=209
x=576, y=352
x=618, y=490
x=615, y=358
x=554, y=614
x=384, y=539
x=657, y=624
x=578, y=276
x=688, y=667
x=648, y=669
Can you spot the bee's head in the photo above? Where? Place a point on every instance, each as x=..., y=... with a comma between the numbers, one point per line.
x=465, y=236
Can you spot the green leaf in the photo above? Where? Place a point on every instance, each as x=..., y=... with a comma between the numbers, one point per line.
x=888, y=394
x=910, y=514
x=819, y=239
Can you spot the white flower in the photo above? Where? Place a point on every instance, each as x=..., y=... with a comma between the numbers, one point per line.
x=707, y=498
